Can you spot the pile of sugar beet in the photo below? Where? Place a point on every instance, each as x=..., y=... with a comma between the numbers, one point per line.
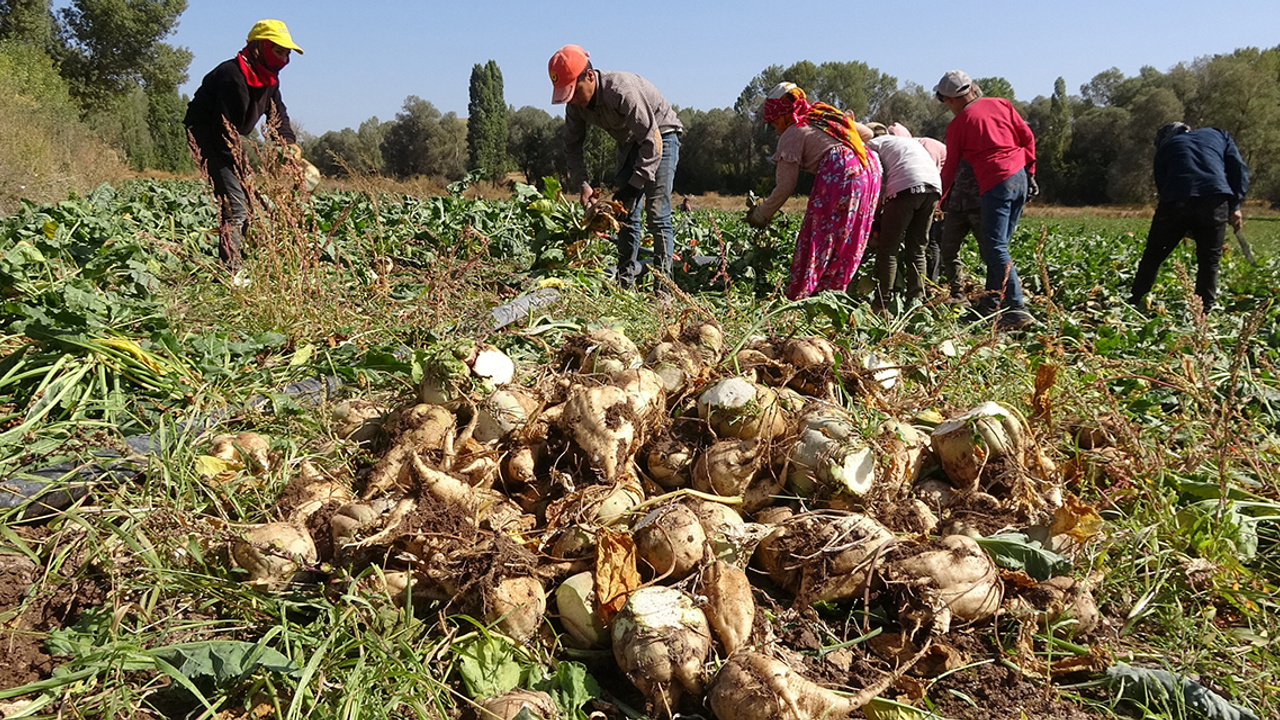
x=678, y=508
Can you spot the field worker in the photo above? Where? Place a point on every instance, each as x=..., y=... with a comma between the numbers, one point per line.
x=937, y=151
x=1201, y=181
x=911, y=188
x=647, y=131
x=818, y=138
x=990, y=135
x=238, y=92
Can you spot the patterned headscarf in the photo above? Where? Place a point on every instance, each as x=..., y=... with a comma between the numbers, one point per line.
x=786, y=99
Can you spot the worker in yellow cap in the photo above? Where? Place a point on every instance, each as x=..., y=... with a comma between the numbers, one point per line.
x=230, y=101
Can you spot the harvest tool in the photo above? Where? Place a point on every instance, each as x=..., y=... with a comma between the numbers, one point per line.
x=1244, y=247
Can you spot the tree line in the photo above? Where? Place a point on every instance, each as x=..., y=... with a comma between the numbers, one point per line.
x=1094, y=146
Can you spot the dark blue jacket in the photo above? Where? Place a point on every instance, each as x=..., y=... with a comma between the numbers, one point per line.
x=1201, y=163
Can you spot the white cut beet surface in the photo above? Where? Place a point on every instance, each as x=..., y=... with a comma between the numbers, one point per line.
x=576, y=604
x=272, y=553
x=738, y=408
x=494, y=367
x=965, y=443
x=882, y=371
x=956, y=581
x=660, y=640
x=829, y=453
x=670, y=540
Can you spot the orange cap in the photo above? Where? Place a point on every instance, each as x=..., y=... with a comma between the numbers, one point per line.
x=564, y=68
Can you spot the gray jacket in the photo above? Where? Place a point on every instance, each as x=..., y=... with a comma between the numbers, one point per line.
x=633, y=112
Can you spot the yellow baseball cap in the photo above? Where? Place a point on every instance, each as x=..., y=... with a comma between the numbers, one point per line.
x=276, y=32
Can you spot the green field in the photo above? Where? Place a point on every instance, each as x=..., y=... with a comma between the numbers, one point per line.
x=1151, y=442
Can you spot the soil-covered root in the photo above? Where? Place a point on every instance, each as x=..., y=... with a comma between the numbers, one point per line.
x=645, y=391
x=706, y=339
x=819, y=557
x=247, y=450
x=1067, y=606
x=812, y=361
x=730, y=607
x=754, y=686
x=966, y=443
x=737, y=468
x=418, y=428
x=678, y=366
x=669, y=461
x=670, y=540
x=725, y=530
x=603, y=425
x=535, y=704
x=517, y=606
x=951, y=580
x=661, y=640
x=600, y=351
x=576, y=605
x=903, y=453
x=273, y=554
x=503, y=412
x=359, y=420
x=309, y=491
x=738, y=408
x=830, y=457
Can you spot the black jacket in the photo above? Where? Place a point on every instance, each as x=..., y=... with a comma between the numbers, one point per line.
x=1201, y=163
x=224, y=93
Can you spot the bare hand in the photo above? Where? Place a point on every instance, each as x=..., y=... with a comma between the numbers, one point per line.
x=1237, y=219
x=588, y=196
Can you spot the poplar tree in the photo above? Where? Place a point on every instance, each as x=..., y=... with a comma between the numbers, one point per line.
x=487, y=122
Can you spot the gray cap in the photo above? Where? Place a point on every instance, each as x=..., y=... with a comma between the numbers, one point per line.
x=955, y=83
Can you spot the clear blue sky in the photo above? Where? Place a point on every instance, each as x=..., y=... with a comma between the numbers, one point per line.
x=364, y=58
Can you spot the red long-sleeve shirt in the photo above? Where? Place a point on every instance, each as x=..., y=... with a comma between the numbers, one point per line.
x=993, y=138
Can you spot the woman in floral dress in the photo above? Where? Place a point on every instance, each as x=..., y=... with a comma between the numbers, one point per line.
x=820, y=139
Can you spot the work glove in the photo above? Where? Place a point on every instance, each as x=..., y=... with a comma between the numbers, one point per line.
x=293, y=151
x=1033, y=189
x=756, y=218
x=628, y=195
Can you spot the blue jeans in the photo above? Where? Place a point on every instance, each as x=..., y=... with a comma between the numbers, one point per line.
x=657, y=206
x=1001, y=208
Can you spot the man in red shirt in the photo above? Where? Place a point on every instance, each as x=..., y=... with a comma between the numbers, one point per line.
x=990, y=135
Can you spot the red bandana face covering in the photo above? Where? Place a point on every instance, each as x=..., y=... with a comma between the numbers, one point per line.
x=254, y=64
